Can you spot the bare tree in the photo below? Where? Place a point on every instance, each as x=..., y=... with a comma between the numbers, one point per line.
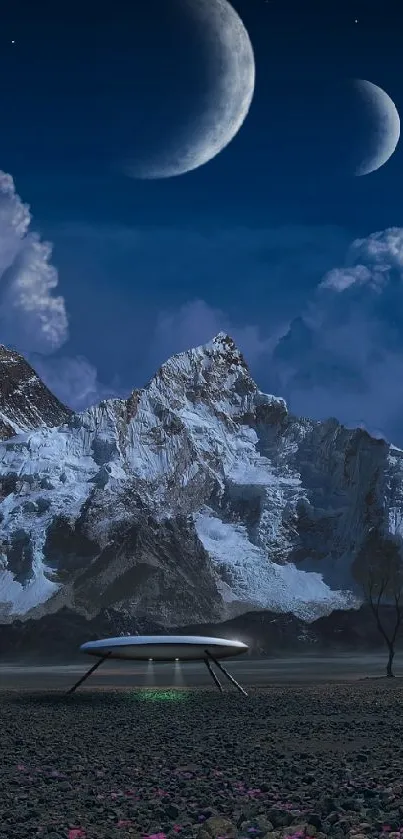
x=380, y=568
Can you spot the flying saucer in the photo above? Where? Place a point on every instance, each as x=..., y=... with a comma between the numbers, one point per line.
x=165, y=648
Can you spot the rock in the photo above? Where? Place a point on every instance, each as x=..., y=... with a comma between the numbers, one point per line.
x=370, y=793
x=315, y=820
x=343, y=825
x=329, y=803
x=255, y=828
x=172, y=811
x=279, y=818
x=218, y=826
x=263, y=823
x=296, y=828
x=333, y=818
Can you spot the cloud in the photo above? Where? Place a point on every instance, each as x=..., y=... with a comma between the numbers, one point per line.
x=31, y=317
x=343, y=356
x=141, y=285
x=328, y=339
x=341, y=278
x=73, y=380
x=195, y=323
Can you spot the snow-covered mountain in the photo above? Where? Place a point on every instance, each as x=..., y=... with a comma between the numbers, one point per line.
x=197, y=499
x=25, y=402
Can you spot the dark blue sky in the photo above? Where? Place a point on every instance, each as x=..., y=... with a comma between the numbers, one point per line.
x=73, y=88
x=147, y=268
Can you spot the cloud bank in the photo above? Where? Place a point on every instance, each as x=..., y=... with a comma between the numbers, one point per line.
x=343, y=356
x=33, y=318
x=338, y=353
x=155, y=291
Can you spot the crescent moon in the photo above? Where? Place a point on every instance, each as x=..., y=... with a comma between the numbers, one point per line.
x=385, y=116
x=232, y=65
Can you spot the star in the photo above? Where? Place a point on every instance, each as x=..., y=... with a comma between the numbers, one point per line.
x=13, y=42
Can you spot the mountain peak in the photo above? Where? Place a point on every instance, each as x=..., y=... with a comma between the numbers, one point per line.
x=226, y=346
x=25, y=402
x=215, y=373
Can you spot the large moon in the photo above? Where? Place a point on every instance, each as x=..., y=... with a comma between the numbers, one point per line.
x=231, y=69
x=384, y=118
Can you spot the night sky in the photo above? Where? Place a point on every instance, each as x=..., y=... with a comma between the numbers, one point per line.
x=260, y=242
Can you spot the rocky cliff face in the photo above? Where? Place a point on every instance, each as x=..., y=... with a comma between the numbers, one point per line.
x=25, y=402
x=197, y=499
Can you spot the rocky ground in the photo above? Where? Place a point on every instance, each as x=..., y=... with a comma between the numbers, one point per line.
x=319, y=761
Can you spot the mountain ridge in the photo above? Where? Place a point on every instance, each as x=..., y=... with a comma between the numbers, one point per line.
x=196, y=499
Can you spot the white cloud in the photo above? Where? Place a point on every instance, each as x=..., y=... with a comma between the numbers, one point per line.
x=31, y=317
x=369, y=262
x=383, y=249
x=344, y=356
x=341, y=278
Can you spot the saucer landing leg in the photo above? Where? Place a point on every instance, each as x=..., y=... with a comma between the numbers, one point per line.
x=223, y=670
x=88, y=673
x=213, y=675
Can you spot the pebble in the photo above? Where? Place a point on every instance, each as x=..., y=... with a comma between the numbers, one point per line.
x=312, y=761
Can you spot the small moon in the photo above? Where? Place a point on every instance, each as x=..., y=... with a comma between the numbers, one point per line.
x=232, y=71
x=385, y=122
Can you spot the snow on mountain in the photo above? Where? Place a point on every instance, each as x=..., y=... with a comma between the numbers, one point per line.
x=196, y=499
x=25, y=402
x=268, y=585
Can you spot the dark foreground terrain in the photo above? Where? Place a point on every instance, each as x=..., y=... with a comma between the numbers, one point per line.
x=287, y=761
